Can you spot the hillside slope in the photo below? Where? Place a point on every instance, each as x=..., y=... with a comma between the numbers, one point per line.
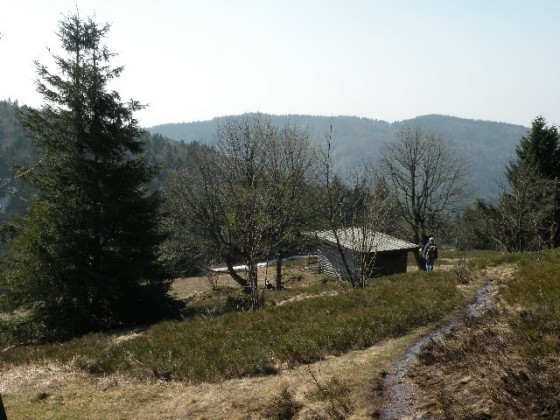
x=487, y=146
x=453, y=371
x=17, y=149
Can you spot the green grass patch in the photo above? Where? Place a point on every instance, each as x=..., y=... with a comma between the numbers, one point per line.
x=535, y=293
x=242, y=344
x=482, y=259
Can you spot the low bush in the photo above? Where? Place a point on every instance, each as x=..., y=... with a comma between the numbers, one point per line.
x=258, y=343
x=283, y=406
x=536, y=290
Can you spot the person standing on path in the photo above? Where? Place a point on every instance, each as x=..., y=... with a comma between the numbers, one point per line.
x=430, y=254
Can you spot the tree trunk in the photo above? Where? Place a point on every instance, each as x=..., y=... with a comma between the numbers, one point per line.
x=420, y=238
x=2, y=410
x=279, y=272
x=236, y=277
x=252, y=266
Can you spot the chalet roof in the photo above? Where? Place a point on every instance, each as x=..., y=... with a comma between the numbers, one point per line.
x=353, y=239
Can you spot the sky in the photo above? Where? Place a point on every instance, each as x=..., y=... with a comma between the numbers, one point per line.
x=392, y=60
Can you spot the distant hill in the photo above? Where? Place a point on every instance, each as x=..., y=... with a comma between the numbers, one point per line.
x=486, y=145
x=16, y=148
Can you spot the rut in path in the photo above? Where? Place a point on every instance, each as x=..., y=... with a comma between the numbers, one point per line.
x=403, y=400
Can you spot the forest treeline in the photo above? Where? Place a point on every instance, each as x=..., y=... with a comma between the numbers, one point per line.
x=18, y=149
x=487, y=146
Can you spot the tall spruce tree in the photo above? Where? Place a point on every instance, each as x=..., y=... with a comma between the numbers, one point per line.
x=85, y=257
x=538, y=156
x=539, y=150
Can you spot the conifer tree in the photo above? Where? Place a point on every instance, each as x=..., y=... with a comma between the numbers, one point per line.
x=538, y=159
x=85, y=257
x=539, y=150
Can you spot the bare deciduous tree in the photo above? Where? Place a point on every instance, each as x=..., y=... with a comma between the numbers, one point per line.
x=427, y=179
x=357, y=211
x=524, y=218
x=193, y=213
x=288, y=198
x=372, y=211
x=246, y=197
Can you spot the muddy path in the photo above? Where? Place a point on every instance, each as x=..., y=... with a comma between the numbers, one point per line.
x=402, y=397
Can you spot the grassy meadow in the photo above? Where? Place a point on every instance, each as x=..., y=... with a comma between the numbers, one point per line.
x=315, y=319
x=300, y=325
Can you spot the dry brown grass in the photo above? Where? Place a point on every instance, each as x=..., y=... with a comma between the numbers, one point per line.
x=477, y=371
x=50, y=391
x=53, y=391
x=297, y=273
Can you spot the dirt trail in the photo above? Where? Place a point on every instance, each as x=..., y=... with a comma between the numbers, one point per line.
x=403, y=399
x=59, y=391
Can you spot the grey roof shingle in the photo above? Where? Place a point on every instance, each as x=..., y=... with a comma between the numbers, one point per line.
x=353, y=239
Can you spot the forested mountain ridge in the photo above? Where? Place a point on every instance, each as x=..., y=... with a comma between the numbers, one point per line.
x=17, y=149
x=486, y=146
x=15, y=146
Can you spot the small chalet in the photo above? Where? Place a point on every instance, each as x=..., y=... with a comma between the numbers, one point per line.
x=390, y=253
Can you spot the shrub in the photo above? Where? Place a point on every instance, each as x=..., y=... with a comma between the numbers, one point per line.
x=283, y=406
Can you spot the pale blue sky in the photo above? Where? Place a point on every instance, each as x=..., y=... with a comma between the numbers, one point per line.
x=192, y=60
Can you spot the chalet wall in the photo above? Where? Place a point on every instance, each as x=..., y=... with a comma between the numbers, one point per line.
x=391, y=262
x=330, y=261
x=388, y=262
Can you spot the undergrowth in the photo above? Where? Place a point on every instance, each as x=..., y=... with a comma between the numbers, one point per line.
x=513, y=354
x=257, y=343
x=282, y=406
